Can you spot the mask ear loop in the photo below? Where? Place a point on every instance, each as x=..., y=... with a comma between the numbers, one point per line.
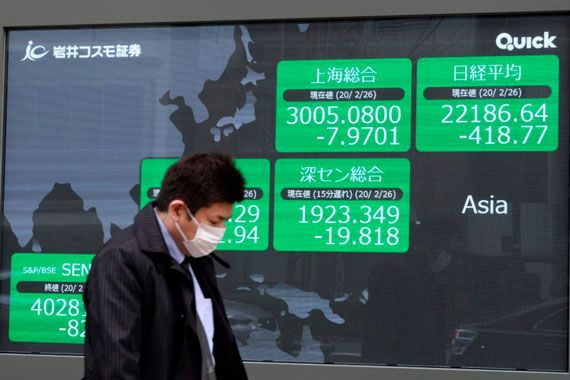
x=180, y=230
x=192, y=216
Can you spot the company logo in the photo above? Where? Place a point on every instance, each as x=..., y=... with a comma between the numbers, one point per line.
x=34, y=52
x=505, y=41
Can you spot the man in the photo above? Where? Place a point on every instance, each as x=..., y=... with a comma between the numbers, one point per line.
x=153, y=307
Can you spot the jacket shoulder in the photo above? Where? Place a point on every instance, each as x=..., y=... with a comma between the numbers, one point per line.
x=121, y=239
x=121, y=248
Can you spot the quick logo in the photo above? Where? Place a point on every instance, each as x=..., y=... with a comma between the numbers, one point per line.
x=505, y=41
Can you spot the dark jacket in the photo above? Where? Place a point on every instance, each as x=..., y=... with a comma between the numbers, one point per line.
x=141, y=319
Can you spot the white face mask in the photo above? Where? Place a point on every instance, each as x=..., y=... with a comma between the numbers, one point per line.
x=205, y=240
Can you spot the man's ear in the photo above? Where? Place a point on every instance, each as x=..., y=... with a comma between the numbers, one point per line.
x=176, y=209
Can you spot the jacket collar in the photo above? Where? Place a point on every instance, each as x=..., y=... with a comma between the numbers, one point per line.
x=147, y=232
x=151, y=242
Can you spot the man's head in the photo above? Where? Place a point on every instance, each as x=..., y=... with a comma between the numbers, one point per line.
x=205, y=185
x=201, y=180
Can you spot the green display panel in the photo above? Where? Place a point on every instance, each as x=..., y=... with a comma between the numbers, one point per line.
x=360, y=105
x=248, y=229
x=46, y=302
x=342, y=205
x=487, y=104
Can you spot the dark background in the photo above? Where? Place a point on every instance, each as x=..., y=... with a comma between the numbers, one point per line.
x=77, y=131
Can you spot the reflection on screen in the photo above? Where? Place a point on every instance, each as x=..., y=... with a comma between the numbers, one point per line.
x=407, y=181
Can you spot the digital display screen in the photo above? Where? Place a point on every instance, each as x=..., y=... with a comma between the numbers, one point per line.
x=365, y=100
x=488, y=104
x=330, y=205
x=45, y=298
x=406, y=195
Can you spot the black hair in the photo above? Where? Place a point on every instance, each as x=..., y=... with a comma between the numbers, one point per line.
x=201, y=180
